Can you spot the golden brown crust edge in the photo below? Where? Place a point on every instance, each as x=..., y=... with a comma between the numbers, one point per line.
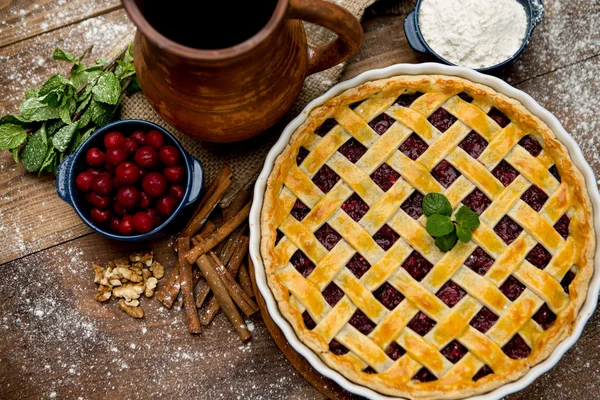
x=583, y=231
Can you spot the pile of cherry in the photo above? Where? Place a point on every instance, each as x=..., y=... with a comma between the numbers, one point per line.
x=134, y=184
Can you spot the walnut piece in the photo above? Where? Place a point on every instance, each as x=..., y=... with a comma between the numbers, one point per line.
x=129, y=291
x=103, y=294
x=158, y=270
x=134, y=311
x=150, y=286
x=143, y=257
x=99, y=271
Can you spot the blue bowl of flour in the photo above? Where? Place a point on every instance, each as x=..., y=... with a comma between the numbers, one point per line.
x=534, y=11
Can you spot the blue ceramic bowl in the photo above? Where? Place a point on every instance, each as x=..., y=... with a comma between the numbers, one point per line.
x=75, y=163
x=535, y=14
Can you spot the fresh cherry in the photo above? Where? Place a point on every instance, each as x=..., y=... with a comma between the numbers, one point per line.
x=84, y=181
x=140, y=136
x=146, y=157
x=126, y=226
x=95, y=171
x=118, y=209
x=128, y=173
x=114, y=224
x=100, y=216
x=131, y=145
x=154, y=215
x=95, y=157
x=177, y=191
x=155, y=139
x=113, y=139
x=169, y=155
x=103, y=184
x=116, y=155
x=128, y=197
x=166, y=205
x=154, y=184
x=144, y=201
x=174, y=174
x=99, y=201
x=142, y=222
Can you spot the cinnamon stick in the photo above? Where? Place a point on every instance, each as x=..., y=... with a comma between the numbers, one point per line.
x=217, y=237
x=167, y=293
x=189, y=306
x=243, y=301
x=244, y=279
x=223, y=298
x=206, y=231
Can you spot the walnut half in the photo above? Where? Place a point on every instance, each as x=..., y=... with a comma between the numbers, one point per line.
x=134, y=311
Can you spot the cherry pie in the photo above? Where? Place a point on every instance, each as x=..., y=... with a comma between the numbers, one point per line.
x=360, y=280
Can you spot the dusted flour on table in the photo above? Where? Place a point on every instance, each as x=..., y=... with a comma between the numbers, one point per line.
x=473, y=33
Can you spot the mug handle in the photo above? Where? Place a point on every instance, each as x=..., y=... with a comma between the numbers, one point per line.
x=335, y=18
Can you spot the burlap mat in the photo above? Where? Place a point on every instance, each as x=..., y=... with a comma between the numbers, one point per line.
x=246, y=158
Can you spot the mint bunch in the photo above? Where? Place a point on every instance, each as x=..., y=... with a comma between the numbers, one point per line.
x=56, y=118
x=446, y=232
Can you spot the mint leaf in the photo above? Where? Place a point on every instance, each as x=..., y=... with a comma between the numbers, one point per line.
x=31, y=93
x=436, y=203
x=463, y=233
x=34, y=152
x=56, y=83
x=61, y=55
x=34, y=110
x=467, y=218
x=100, y=113
x=107, y=89
x=447, y=242
x=15, y=153
x=439, y=225
x=49, y=160
x=11, y=136
x=62, y=138
x=11, y=119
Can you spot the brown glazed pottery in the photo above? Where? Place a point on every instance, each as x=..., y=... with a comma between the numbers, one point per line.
x=231, y=94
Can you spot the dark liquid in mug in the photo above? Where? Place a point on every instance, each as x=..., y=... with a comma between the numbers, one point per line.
x=208, y=24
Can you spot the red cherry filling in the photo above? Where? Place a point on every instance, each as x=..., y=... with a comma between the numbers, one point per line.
x=113, y=139
x=413, y=205
x=299, y=211
x=531, y=145
x=155, y=139
x=499, y=117
x=535, y=197
x=477, y=201
x=326, y=126
x=381, y=123
x=327, y=236
x=308, y=321
x=279, y=236
x=479, y=261
x=562, y=226
x=516, y=348
x=354, y=105
x=84, y=181
x=388, y=296
x=544, y=317
x=465, y=96
x=146, y=157
x=454, y=351
x=337, y=348
x=332, y=294
x=442, y=119
x=405, y=100
x=445, y=173
x=417, y=266
x=450, y=293
x=507, y=229
x=512, y=288
x=385, y=177
x=358, y=265
x=483, y=320
x=473, y=144
x=352, y=150
x=424, y=375
x=554, y=171
x=302, y=154
x=369, y=370
x=355, y=207
x=361, y=322
x=421, y=324
x=539, y=256
x=95, y=157
x=413, y=147
x=566, y=280
x=325, y=179
x=394, y=351
x=385, y=237
x=302, y=263
x=505, y=173
x=483, y=371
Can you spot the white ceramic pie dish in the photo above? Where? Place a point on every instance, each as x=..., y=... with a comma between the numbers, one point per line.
x=418, y=69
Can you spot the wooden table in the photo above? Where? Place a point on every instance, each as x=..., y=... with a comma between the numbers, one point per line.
x=56, y=341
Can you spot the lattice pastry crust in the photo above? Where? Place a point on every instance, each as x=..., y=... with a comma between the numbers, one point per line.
x=360, y=280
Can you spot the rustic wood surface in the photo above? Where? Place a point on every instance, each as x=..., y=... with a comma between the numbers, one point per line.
x=59, y=343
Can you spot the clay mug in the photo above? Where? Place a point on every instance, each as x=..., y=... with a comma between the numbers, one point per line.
x=234, y=93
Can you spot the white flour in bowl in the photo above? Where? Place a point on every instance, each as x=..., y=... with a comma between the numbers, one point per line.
x=473, y=33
